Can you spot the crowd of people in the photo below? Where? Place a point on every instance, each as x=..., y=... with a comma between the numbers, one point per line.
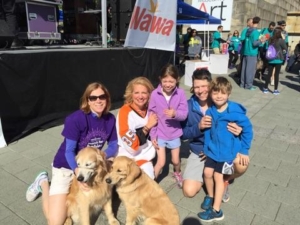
x=153, y=119
x=150, y=121
x=249, y=48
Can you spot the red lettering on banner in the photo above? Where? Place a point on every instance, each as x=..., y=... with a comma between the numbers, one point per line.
x=149, y=23
x=203, y=7
x=145, y=24
x=136, y=18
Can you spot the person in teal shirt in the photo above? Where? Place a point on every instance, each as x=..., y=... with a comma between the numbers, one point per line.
x=243, y=33
x=268, y=33
x=242, y=39
x=217, y=40
x=186, y=39
x=251, y=43
x=277, y=40
x=282, y=25
x=234, y=49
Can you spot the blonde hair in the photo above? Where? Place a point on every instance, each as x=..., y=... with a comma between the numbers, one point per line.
x=130, y=86
x=84, y=106
x=221, y=84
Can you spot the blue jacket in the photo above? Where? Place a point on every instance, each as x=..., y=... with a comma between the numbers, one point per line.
x=167, y=128
x=220, y=144
x=190, y=126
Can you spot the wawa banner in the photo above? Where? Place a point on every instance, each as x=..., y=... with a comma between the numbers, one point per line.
x=153, y=25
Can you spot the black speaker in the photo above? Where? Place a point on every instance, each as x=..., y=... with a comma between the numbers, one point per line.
x=120, y=23
x=78, y=23
x=6, y=36
x=121, y=15
x=121, y=6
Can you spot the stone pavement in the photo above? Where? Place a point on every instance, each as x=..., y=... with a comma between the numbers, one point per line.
x=268, y=193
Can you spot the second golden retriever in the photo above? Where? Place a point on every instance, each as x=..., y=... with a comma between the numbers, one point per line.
x=143, y=198
x=82, y=204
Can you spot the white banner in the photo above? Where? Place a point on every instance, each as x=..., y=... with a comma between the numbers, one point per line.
x=153, y=25
x=221, y=9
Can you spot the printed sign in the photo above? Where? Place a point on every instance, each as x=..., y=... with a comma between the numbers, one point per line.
x=221, y=9
x=153, y=25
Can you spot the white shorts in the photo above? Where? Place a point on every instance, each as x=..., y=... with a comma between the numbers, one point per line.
x=61, y=181
x=148, y=169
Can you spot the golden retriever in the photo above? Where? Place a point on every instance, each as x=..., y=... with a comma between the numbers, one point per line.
x=82, y=204
x=143, y=198
x=259, y=68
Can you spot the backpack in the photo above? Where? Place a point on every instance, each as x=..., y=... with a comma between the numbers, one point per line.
x=271, y=53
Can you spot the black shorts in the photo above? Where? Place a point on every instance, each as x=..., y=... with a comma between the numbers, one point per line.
x=219, y=167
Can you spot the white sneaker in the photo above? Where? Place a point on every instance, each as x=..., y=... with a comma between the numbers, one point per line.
x=34, y=189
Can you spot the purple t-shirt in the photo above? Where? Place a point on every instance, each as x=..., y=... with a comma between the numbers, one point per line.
x=86, y=130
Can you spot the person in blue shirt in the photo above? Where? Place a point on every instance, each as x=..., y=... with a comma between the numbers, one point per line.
x=234, y=49
x=193, y=130
x=250, y=52
x=221, y=146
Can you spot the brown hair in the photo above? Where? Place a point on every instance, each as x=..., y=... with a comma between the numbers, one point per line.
x=84, y=106
x=129, y=89
x=221, y=84
x=170, y=70
x=236, y=31
x=200, y=74
x=276, y=35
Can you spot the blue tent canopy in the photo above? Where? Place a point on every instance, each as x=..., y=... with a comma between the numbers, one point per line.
x=186, y=11
x=187, y=14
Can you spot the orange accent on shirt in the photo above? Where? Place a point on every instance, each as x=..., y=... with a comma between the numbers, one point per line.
x=124, y=128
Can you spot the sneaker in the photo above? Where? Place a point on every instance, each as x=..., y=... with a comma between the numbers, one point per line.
x=252, y=88
x=265, y=91
x=34, y=189
x=207, y=203
x=276, y=92
x=226, y=196
x=211, y=215
x=272, y=82
x=178, y=179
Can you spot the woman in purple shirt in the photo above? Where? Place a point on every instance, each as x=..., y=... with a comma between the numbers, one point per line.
x=91, y=125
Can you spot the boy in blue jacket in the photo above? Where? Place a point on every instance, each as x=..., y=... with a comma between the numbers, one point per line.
x=221, y=146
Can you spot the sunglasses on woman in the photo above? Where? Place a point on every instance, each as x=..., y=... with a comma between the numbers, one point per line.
x=93, y=98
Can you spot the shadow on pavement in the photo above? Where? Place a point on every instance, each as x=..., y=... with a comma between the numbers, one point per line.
x=292, y=86
x=191, y=221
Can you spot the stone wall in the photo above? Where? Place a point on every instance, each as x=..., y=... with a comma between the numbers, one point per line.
x=267, y=10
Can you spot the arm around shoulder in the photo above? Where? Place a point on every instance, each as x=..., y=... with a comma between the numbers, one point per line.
x=246, y=135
